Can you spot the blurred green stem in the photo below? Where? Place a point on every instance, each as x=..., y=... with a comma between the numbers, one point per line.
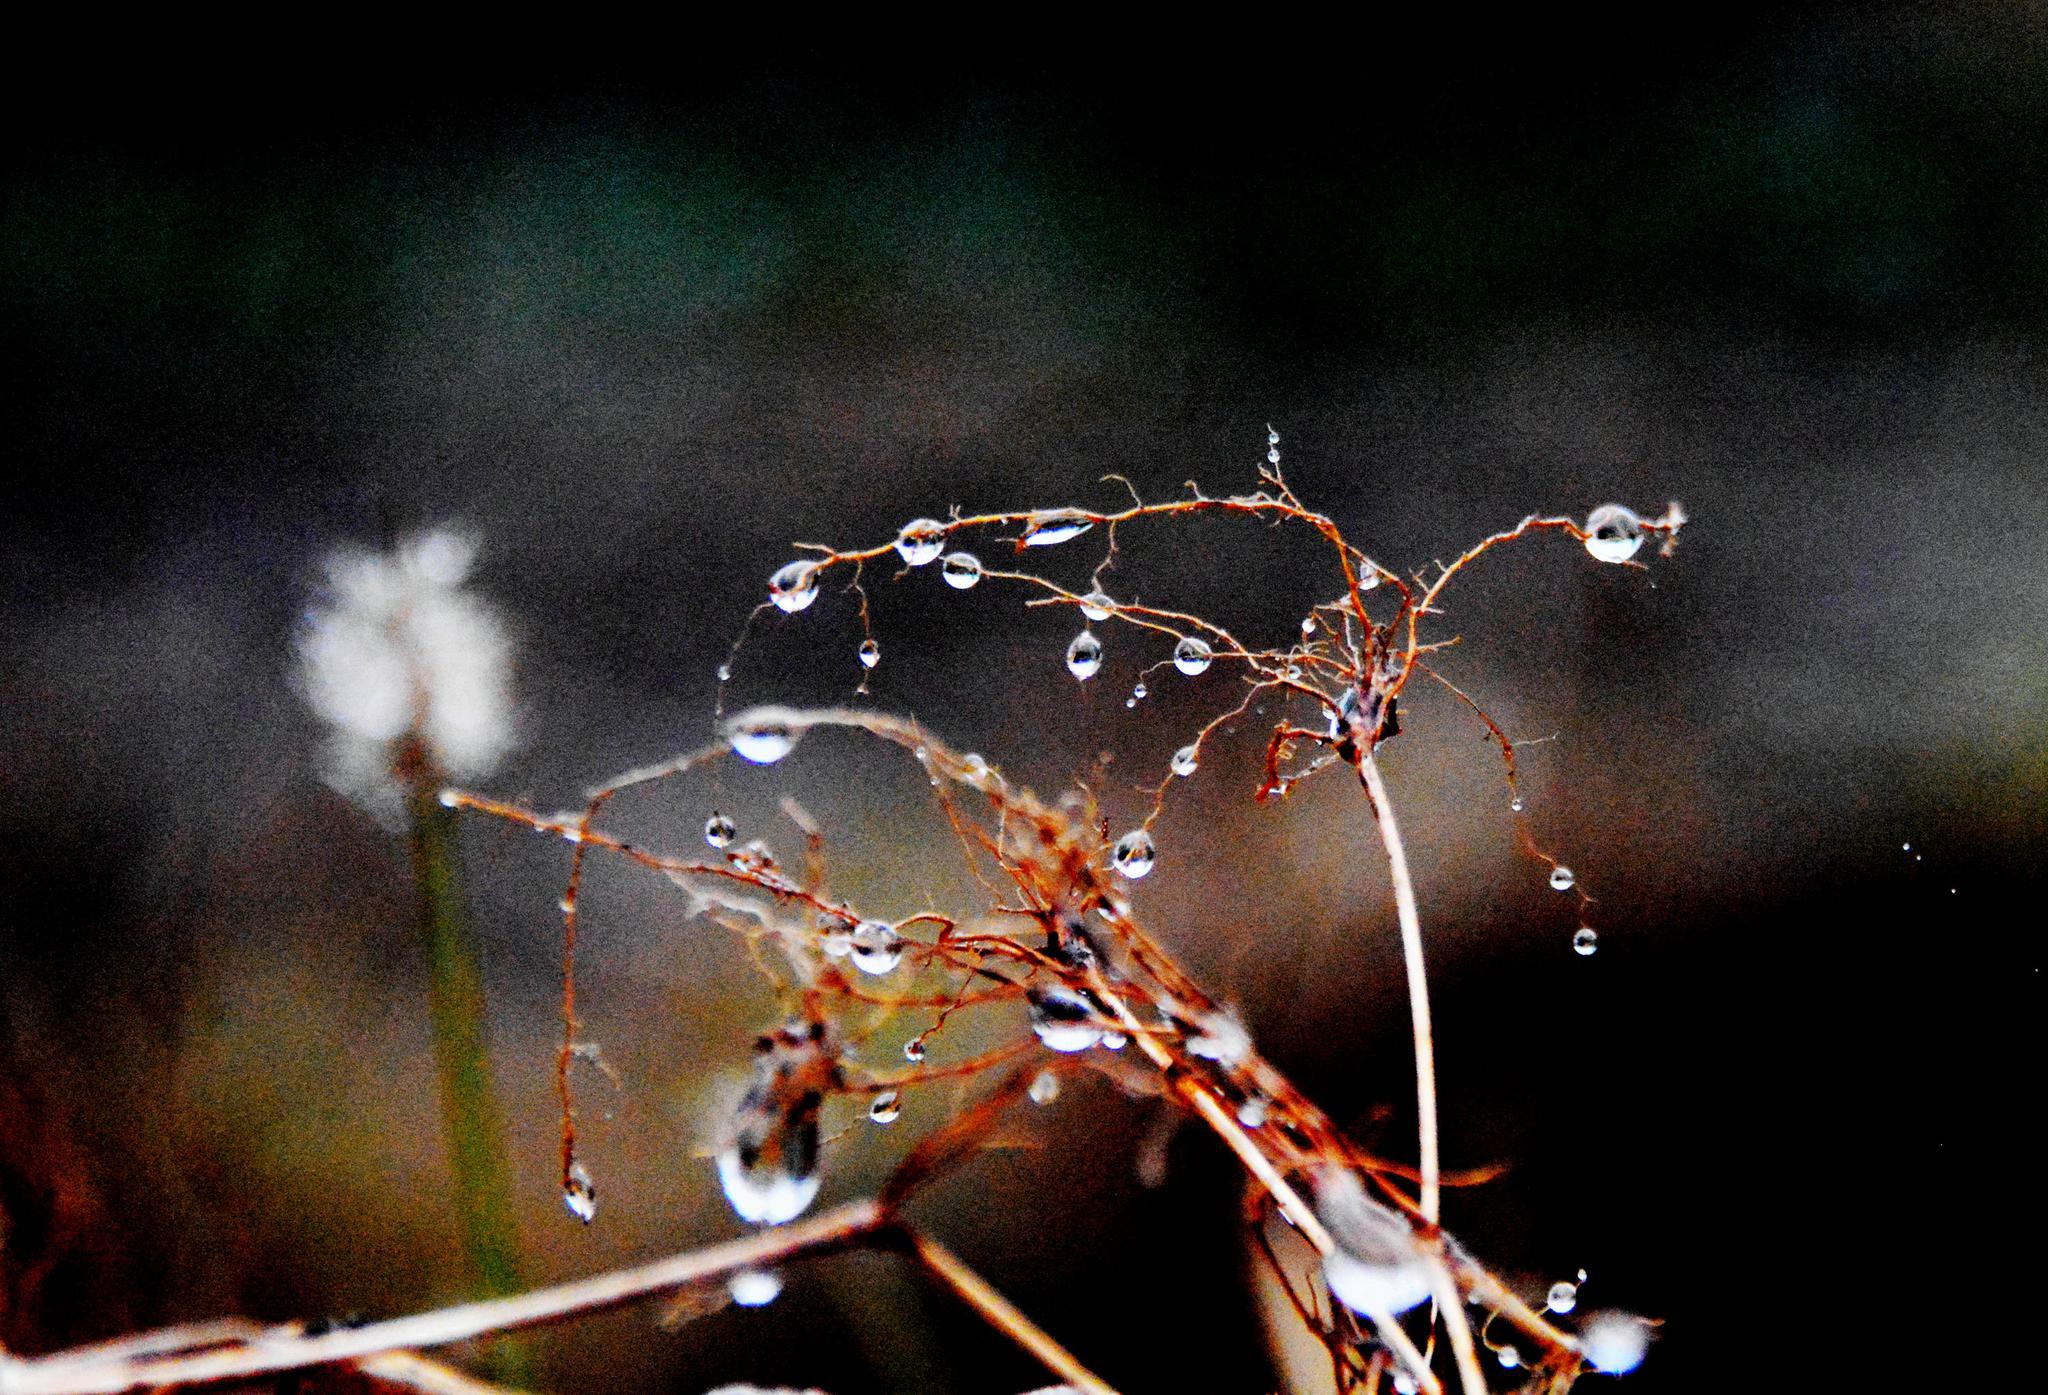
x=470, y=1114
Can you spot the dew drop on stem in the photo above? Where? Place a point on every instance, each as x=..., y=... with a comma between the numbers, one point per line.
x=1185, y=762
x=870, y=653
x=877, y=948
x=794, y=587
x=1084, y=656
x=1096, y=606
x=887, y=1108
x=1563, y=1297
x=754, y=1288
x=920, y=540
x=1586, y=941
x=913, y=1050
x=1134, y=854
x=1193, y=655
x=1055, y=526
x=1561, y=878
x=1613, y=533
x=719, y=831
x=961, y=570
x=763, y=739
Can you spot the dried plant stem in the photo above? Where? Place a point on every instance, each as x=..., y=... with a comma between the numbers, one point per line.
x=273, y=1350
x=1002, y=1314
x=1431, y=1200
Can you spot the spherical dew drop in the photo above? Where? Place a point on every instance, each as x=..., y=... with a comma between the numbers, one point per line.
x=1192, y=655
x=961, y=570
x=794, y=587
x=920, y=541
x=1084, y=656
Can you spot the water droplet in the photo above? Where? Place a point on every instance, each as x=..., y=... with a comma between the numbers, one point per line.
x=1252, y=1113
x=1585, y=942
x=877, y=948
x=913, y=1050
x=719, y=831
x=578, y=1195
x=1272, y=436
x=448, y=799
x=1509, y=1357
x=1377, y=1268
x=1404, y=1384
x=794, y=587
x=1084, y=656
x=1564, y=1296
x=1561, y=878
x=1097, y=606
x=1184, y=761
x=754, y=1288
x=1063, y=1019
x=1134, y=854
x=725, y=673
x=763, y=739
x=1515, y=804
x=1272, y=455
x=1193, y=655
x=961, y=570
x=1308, y=626
x=870, y=653
x=1045, y=1087
x=1368, y=577
x=1613, y=533
x=1140, y=693
x=919, y=541
x=1055, y=526
x=887, y=1108
x=1582, y=1276
x=765, y=1192
x=1615, y=1342
x=836, y=941
x=1115, y=1041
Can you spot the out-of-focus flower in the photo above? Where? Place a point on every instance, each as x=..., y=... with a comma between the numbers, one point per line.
x=395, y=650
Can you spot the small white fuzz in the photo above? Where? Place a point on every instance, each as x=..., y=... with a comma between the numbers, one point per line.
x=395, y=647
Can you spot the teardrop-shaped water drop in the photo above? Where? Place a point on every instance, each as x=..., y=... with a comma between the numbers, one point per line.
x=1563, y=1296
x=1586, y=941
x=920, y=540
x=763, y=738
x=719, y=831
x=1096, y=606
x=1193, y=655
x=579, y=1195
x=1084, y=656
x=1134, y=855
x=870, y=653
x=1613, y=533
x=794, y=587
x=1045, y=1087
x=1114, y=1041
x=961, y=570
x=887, y=1108
x=877, y=948
x=754, y=1288
x=1063, y=1019
x=765, y=1192
x=1561, y=878
x=1056, y=526
x=1185, y=761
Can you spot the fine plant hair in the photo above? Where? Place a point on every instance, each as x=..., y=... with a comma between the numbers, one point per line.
x=1353, y=1236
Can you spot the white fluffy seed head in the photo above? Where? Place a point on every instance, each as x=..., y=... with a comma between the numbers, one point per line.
x=396, y=647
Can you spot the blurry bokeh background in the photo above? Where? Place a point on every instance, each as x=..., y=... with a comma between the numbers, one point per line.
x=636, y=342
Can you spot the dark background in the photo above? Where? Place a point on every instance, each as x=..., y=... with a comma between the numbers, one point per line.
x=637, y=339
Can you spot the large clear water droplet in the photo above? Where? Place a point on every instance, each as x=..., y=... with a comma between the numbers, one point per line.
x=1063, y=1019
x=920, y=541
x=1193, y=655
x=1096, y=606
x=1613, y=533
x=961, y=570
x=887, y=1108
x=579, y=1195
x=763, y=738
x=1055, y=526
x=1185, y=761
x=719, y=831
x=877, y=948
x=794, y=587
x=1563, y=1297
x=1134, y=854
x=1084, y=656
x=754, y=1288
x=1045, y=1087
x=870, y=653
x=765, y=1193
x=1561, y=878
x=1586, y=941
